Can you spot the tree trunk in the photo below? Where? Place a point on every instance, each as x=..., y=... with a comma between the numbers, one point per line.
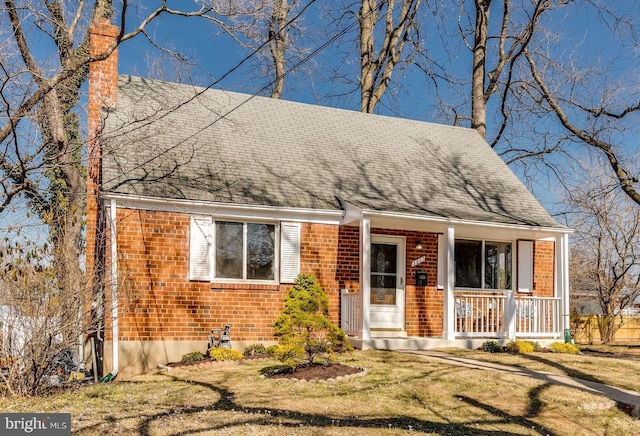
x=478, y=101
x=278, y=39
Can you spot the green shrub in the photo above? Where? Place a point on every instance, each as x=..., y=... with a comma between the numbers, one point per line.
x=536, y=346
x=222, y=354
x=255, y=350
x=564, y=347
x=491, y=347
x=272, y=350
x=288, y=353
x=304, y=324
x=519, y=347
x=195, y=356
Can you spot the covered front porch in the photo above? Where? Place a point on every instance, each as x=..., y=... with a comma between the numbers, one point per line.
x=506, y=302
x=477, y=318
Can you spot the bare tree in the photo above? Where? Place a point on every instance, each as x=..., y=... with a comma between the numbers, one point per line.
x=42, y=159
x=527, y=76
x=396, y=26
x=599, y=124
x=606, y=260
x=489, y=78
x=275, y=25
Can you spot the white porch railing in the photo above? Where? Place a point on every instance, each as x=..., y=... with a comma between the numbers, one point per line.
x=480, y=315
x=537, y=316
x=350, y=312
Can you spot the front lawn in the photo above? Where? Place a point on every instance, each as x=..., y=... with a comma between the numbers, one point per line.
x=399, y=393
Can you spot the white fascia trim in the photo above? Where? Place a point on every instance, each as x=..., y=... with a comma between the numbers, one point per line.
x=455, y=221
x=224, y=210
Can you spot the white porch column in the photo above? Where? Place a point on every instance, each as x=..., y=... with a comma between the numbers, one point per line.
x=365, y=277
x=449, y=315
x=562, y=280
x=509, y=317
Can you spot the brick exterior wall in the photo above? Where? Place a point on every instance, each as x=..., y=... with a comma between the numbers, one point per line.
x=158, y=302
x=543, y=268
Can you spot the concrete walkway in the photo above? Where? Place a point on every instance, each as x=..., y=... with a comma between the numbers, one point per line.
x=627, y=400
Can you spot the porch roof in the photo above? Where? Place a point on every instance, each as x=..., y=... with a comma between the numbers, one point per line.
x=171, y=141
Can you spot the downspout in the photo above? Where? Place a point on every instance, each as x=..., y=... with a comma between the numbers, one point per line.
x=565, y=289
x=114, y=289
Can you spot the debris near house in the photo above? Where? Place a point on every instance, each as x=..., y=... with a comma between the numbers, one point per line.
x=66, y=368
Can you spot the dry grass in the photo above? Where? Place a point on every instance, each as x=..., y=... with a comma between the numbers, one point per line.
x=615, y=365
x=399, y=393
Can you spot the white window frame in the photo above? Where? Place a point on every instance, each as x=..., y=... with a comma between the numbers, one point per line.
x=483, y=261
x=204, y=238
x=244, y=279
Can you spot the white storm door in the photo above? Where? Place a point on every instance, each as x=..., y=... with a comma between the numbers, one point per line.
x=387, y=282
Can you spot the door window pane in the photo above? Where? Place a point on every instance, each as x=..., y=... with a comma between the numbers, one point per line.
x=229, y=243
x=383, y=289
x=384, y=258
x=384, y=266
x=260, y=251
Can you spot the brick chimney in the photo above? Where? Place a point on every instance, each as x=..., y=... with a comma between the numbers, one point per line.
x=102, y=92
x=103, y=75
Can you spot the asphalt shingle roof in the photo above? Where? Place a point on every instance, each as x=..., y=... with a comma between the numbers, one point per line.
x=177, y=141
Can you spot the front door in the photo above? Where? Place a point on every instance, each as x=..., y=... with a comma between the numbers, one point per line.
x=387, y=283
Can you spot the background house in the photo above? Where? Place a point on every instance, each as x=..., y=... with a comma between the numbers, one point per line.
x=204, y=205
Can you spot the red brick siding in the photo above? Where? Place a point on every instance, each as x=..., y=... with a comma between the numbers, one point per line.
x=157, y=300
x=543, y=268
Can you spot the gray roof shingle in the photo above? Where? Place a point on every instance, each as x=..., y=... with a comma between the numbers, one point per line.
x=177, y=141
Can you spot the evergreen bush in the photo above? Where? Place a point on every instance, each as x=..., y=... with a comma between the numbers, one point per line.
x=194, y=356
x=255, y=350
x=304, y=328
x=491, y=347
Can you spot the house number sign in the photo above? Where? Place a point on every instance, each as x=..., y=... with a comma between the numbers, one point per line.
x=418, y=261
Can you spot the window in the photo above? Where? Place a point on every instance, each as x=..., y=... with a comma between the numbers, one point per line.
x=244, y=251
x=483, y=262
x=240, y=251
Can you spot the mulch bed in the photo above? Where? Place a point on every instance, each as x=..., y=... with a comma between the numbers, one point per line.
x=315, y=372
x=303, y=372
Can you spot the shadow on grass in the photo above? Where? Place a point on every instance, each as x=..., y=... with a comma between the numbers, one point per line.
x=287, y=419
x=236, y=417
x=571, y=372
